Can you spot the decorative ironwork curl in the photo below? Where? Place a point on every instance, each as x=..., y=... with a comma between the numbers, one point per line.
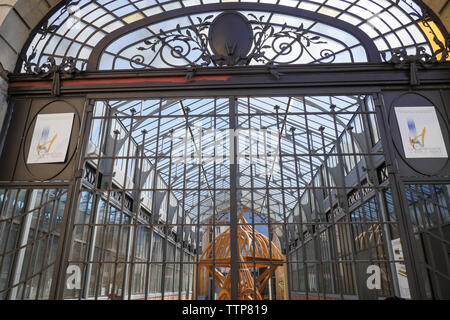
x=46, y=29
x=67, y=66
x=282, y=42
x=400, y=58
x=66, y=69
x=443, y=50
x=182, y=43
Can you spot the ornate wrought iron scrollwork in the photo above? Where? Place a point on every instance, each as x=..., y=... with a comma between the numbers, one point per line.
x=66, y=69
x=180, y=44
x=400, y=58
x=282, y=42
x=286, y=44
x=444, y=48
x=46, y=29
x=117, y=196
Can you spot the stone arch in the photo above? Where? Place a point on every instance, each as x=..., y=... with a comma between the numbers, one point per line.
x=18, y=18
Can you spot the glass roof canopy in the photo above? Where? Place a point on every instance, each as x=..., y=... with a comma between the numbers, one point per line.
x=200, y=126
x=79, y=26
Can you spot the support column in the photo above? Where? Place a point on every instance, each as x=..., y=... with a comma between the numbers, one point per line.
x=409, y=245
x=234, y=258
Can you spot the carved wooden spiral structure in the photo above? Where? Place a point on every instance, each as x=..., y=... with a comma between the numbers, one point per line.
x=254, y=251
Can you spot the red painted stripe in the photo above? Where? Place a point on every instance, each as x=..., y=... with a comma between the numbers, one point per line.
x=119, y=80
x=30, y=84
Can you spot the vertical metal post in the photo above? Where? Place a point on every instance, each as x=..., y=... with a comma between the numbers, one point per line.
x=269, y=218
x=129, y=137
x=5, y=204
x=106, y=214
x=301, y=224
x=234, y=258
x=45, y=255
x=436, y=213
x=315, y=228
x=35, y=243
x=167, y=227
x=154, y=188
x=104, y=135
x=280, y=160
x=16, y=272
x=379, y=195
x=252, y=191
x=214, y=217
x=183, y=211
x=335, y=267
x=137, y=207
x=409, y=245
x=64, y=249
x=348, y=226
x=388, y=240
x=91, y=243
x=366, y=224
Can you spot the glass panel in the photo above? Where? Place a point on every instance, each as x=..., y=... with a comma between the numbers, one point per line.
x=309, y=225
x=30, y=228
x=398, y=24
x=429, y=211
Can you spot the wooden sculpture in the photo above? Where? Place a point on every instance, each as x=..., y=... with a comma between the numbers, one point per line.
x=372, y=236
x=254, y=251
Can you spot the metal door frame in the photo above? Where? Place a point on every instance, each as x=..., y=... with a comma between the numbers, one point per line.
x=415, y=280
x=328, y=80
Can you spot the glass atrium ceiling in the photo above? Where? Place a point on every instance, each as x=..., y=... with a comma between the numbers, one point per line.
x=79, y=26
x=268, y=173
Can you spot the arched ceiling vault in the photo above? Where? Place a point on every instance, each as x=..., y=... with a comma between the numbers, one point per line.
x=75, y=28
x=23, y=16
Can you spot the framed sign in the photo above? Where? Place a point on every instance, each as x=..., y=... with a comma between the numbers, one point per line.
x=51, y=138
x=420, y=132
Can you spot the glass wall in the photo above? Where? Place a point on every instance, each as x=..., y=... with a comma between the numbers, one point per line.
x=30, y=229
x=429, y=213
x=154, y=219
x=124, y=258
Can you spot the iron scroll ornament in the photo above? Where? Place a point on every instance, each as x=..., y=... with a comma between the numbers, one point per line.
x=198, y=45
x=400, y=58
x=66, y=69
